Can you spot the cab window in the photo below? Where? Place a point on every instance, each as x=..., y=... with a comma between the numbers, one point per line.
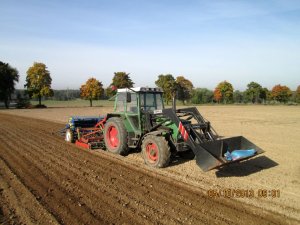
x=121, y=101
x=132, y=106
x=151, y=101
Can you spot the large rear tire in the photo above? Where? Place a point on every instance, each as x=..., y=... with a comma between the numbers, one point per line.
x=115, y=136
x=156, y=151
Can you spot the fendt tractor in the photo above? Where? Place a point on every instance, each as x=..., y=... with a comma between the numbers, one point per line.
x=141, y=122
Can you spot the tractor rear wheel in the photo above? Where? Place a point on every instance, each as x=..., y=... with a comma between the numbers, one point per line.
x=156, y=151
x=69, y=136
x=115, y=136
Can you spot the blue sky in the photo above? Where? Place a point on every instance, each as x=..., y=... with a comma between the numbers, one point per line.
x=205, y=41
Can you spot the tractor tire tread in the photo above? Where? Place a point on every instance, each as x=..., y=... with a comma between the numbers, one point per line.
x=123, y=148
x=164, y=151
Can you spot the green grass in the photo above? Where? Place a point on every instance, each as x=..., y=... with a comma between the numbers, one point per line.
x=101, y=103
x=74, y=103
x=105, y=103
x=86, y=103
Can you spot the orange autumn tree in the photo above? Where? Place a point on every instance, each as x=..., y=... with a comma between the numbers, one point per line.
x=281, y=93
x=224, y=92
x=217, y=95
x=91, y=90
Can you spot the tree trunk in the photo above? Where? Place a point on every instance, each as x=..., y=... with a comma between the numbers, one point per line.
x=40, y=100
x=91, y=103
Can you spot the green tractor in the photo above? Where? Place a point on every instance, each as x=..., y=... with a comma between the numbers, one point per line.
x=141, y=122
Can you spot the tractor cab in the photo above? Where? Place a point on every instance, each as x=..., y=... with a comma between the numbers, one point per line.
x=134, y=100
x=133, y=105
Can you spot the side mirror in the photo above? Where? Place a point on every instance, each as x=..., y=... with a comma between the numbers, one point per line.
x=128, y=96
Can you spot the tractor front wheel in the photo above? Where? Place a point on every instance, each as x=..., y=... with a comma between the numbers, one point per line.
x=115, y=136
x=156, y=151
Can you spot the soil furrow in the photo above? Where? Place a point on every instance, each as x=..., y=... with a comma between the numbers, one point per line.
x=19, y=195
x=167, y=199
x=46, y=191
x=79, y=186
x=72, y=187
x=154, y=207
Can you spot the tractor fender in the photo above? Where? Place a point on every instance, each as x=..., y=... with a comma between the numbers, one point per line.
x=109, y=115
x=154, y=133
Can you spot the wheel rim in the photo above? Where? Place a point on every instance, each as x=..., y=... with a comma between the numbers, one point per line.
x=152, y=152
x=112, y=137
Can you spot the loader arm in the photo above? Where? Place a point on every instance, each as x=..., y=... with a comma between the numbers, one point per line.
x=207, y=146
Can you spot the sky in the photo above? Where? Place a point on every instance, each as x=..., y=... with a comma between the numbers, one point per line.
x=205, y=41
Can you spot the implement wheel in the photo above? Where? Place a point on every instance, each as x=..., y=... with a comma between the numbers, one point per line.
x=115, y=136
x=156, y=151
x=69, y=136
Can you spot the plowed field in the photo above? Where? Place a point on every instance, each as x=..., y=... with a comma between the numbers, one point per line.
x=44, y=180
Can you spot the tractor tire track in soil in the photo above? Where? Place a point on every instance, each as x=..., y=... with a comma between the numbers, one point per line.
x=65, y=184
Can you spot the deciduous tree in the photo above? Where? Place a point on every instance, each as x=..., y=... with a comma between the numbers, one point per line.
x=109, y=92
x=8, y=78
x=91, y=90
x=224, y=92
x=217, y=95
x=238, y=96
x=122, y=80
x=202, y=96
x=298, y=94
x=184, y=88
x=38, y=81
x=253, y=91
x=281, y=93
x=168, y=84
x=264, y=94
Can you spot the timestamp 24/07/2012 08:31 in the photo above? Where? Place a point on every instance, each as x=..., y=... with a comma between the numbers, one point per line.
x=243, y=193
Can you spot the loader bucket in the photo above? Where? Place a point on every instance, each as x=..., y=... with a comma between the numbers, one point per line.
x=210, y=150
x=238, y=147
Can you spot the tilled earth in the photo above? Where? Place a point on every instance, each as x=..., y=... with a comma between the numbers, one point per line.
x=44, y=180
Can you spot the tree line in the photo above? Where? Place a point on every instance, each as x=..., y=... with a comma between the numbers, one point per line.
x=38, y=86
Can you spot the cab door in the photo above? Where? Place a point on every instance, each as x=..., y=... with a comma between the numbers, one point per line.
x=132, y=111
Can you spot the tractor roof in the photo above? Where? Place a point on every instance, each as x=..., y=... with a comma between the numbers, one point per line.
x=140, y=89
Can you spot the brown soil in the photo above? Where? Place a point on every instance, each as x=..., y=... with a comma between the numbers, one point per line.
x=276, y=129
x=47, y=181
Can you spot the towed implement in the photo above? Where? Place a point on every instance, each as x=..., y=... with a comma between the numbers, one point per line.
x=140, y=121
